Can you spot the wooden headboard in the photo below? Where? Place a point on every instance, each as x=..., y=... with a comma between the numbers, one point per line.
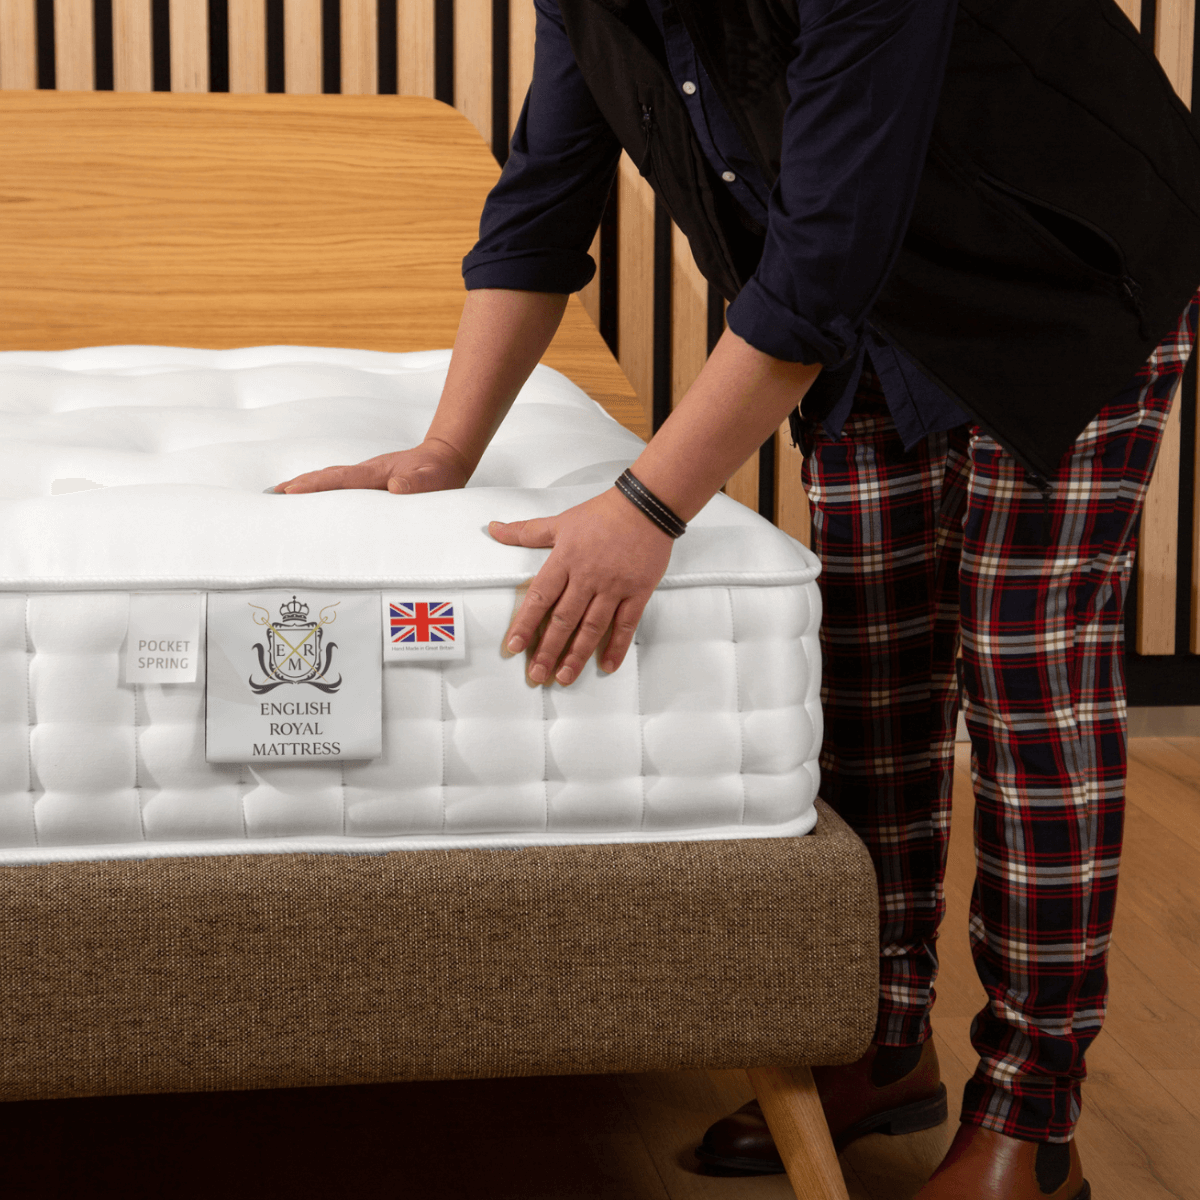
x=235, y=220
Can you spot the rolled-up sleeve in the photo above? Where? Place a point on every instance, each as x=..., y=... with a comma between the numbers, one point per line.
x=863, y=85
x=541, y=216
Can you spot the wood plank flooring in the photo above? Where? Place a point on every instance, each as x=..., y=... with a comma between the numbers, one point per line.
x=630, y=1137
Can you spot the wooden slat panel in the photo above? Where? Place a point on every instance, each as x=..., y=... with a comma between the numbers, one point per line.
x=360, y=47
x=743, y=483
x=415, y=51
x=1133, y=10
x=522, y=19
x=473, y=63
x=689, y=316
x=302, y=47
x=689, y=350
x=74, y=50
x=589, y=296
x=579, y=352
x=1158, y=547
x=1157, y=562
x=1195, y=622
x=791, y=502
x=1173, y=43
x=635, y=275
x=18, y=45
x=133, y=61
x=247, y=46
x=189, y=46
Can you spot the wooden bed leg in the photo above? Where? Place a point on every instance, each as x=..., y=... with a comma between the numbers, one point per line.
x=789, y=1102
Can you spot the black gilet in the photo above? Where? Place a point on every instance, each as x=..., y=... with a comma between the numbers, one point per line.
x=1055, y=236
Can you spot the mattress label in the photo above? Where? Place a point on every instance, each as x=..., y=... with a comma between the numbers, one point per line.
x=162, y=644
x=293, y=677
x=424, y=625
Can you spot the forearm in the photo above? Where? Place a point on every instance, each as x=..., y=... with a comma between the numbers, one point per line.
x=738, y=400
x=500, y=339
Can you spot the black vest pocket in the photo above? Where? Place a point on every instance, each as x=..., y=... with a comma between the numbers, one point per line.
x=1083, y=242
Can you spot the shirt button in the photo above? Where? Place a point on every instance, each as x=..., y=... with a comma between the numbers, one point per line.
x=728, y=176
x=689, y=88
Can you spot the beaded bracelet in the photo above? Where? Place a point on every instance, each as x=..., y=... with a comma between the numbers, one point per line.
x=641, y=497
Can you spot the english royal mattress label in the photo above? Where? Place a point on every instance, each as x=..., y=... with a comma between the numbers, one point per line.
x=293, y=677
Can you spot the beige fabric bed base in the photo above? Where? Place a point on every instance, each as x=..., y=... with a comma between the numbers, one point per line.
x=290, y=970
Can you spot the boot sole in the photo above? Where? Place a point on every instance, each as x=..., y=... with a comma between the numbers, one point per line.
x=908, y=1118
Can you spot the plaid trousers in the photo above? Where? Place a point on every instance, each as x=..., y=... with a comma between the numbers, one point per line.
x=951, y=542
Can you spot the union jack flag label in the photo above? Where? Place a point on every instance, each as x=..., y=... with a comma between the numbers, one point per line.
x=424, y=626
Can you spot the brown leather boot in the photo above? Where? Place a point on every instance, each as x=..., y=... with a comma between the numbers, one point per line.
x=982, y=1165
x=863, y=1097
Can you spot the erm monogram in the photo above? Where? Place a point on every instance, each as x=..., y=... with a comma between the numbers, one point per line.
x=293, y=648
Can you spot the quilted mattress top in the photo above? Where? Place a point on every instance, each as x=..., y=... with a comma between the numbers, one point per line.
x=145, y=468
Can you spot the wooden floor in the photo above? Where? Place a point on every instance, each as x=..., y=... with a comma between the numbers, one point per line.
x=630, y=1137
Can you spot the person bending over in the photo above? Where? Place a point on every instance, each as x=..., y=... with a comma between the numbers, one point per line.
x=963, y=239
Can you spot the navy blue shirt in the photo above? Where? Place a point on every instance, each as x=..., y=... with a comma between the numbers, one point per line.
x=864, y=82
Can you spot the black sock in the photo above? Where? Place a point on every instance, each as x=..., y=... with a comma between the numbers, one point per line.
x=1053, y=1165
x=893, y=1063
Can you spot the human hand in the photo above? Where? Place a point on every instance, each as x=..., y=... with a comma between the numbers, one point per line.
x=433, y=466
x=607, y=560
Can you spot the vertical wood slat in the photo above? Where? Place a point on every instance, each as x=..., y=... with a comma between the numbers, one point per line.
x=473, y=63
x=1159, y=543
x=792, y=513
x=18, y=45
x=189, y=46
x=248, y=46
x=74, y=46
x=360, y=47
x=635, y=282
x=1159, y=540
x=689, y=316
x=1194, y=641
x=589, y=296
x=415, y=51
x=1173, y=43
x=743, y=483
x=689, y=349
x=522, y=22
x=133, y=51
x=1133, y=10
x=302, y=47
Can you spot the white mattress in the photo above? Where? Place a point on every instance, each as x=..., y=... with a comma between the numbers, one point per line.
x=710, y=730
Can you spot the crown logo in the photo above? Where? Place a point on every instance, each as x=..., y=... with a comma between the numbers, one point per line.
x=293, y=613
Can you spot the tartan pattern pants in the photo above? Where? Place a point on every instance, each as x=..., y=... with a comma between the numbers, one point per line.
x=950, y=538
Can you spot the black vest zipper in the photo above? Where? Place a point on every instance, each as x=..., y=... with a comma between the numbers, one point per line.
x=648, y=130
x=1131, y=293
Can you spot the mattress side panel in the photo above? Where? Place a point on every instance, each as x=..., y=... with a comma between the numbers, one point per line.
x=712, y=727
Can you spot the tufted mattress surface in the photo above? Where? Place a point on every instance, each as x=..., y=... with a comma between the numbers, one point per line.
x=133, y=470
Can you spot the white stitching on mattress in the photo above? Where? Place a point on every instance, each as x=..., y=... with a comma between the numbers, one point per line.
x=137, y=747
x=243, y=786
x=737, y=691
x=641, y=714
x=442, y=686
x=545, y=762
x=30, y=719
